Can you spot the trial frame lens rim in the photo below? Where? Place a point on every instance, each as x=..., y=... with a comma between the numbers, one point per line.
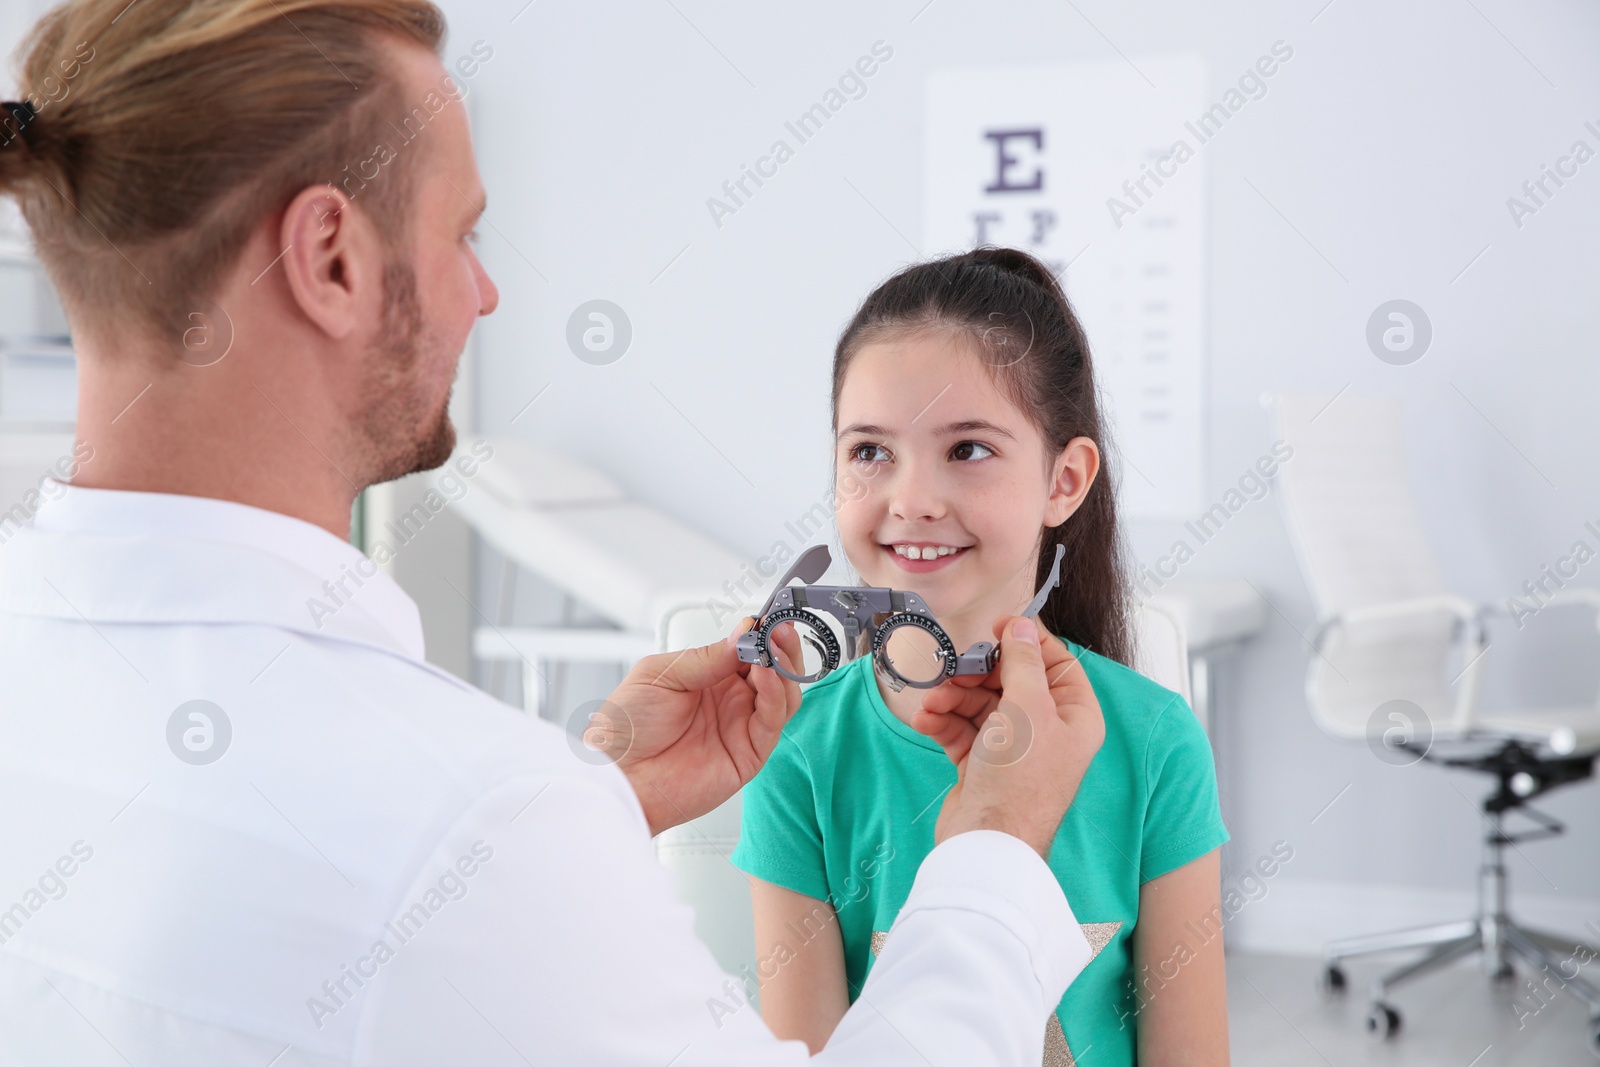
x=830, y=643
x=947, y=648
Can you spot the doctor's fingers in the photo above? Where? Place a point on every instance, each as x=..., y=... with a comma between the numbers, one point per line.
x=785, y=646
x=775, y=694
x=954, y=716
x=954, y=733
x=968, y=701
x=1070, y=688
x=1022, y=672
x=692, y=669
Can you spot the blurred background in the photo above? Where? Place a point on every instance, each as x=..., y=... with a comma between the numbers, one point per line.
x=1386, y=213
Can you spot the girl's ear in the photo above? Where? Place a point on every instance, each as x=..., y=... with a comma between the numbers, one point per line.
x=1072, y=473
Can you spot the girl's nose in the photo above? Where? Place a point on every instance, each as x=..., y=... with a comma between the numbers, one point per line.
x=913, y=496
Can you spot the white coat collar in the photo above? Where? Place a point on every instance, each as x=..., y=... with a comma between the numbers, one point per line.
x=117, y=556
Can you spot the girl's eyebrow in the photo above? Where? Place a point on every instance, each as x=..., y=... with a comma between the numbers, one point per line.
x=971, y=425
x=964, y=426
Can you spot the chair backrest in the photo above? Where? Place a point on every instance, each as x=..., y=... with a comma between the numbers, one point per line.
x=1353, y=519
x=697, y=852
x=1348, y=497
x=1163, y=650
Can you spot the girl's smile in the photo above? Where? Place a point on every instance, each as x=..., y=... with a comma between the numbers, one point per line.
x=924, y=557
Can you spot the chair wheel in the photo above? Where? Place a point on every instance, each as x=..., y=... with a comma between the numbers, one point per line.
x=1383, y=1021
x=1594, y=1035
x=1333, y=979
x=1506, y=973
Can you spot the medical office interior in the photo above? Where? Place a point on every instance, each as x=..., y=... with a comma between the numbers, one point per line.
x=1336, y=261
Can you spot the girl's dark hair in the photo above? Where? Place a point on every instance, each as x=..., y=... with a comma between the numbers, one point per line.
x=1013, y=309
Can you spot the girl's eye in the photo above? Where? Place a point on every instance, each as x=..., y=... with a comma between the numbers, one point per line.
x=472, y=238
x=868, y=453
x=971, y=450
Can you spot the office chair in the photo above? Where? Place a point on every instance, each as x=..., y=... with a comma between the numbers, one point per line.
x=1389, y=643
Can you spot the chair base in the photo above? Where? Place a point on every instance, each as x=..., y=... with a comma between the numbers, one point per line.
x=1554, y=960
x=1547, y=954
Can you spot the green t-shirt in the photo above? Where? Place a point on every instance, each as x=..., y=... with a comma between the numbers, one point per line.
x=844, y=811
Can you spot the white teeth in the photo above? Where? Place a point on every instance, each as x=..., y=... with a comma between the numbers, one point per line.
x=925, y=551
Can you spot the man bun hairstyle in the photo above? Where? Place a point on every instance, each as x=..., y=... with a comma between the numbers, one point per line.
x=155, y=136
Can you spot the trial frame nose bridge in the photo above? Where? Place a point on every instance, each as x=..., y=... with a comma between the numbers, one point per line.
x=856, y=607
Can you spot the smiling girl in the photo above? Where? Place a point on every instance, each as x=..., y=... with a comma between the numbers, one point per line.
x=964, y=399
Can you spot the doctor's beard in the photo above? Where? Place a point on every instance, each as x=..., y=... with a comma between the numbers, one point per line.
x=403, y=428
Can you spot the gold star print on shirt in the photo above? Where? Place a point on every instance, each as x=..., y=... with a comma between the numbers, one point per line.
x=1056, y=1052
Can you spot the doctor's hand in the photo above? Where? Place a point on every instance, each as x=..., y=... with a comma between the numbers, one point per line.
x=690, y=728
x=1021, y=737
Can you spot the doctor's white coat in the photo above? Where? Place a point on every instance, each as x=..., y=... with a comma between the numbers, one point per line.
x=236, y=829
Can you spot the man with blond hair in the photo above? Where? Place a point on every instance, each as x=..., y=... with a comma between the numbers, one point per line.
x=233, y=836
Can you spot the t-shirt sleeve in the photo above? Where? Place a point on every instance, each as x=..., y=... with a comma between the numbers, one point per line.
x=1183, y=820
x=780, y=840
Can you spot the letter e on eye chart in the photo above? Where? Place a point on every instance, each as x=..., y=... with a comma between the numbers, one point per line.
x=1094, y=164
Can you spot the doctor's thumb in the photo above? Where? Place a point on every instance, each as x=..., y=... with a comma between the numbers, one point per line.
x=690, y=668
x=1021, y=663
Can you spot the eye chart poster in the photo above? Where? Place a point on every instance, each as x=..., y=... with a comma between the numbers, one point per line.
x=1097, y=168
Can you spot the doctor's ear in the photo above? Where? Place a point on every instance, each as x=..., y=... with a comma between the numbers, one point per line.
x=1071, y=475
x=333, y=260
